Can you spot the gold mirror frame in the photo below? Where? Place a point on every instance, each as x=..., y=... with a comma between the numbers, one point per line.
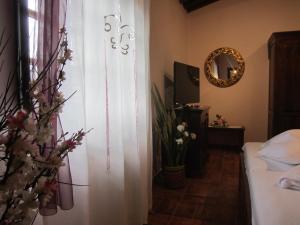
x=220, y=82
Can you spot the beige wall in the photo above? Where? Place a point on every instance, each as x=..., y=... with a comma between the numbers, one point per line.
x=245, y=25
x=168, y=38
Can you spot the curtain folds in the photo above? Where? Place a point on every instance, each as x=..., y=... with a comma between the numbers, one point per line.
x=110, y=71
x=117, y=106
x=46, y=17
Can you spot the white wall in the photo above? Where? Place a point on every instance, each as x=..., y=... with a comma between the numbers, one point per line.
x=245, y=25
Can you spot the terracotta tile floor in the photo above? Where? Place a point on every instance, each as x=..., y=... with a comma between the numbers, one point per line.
x=211, y=199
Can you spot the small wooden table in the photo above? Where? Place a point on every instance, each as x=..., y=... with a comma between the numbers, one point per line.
x=226, y=137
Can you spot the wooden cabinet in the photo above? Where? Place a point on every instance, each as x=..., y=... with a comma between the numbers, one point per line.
x=197, y=120
x=284, y=80
x=226, y=137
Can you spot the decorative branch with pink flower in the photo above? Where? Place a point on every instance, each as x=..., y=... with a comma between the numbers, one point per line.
x=30, y=151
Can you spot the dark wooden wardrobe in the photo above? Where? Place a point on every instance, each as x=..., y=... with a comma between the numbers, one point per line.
x=284, y=82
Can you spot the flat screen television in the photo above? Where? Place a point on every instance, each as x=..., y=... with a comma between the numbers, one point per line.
x=186, y=84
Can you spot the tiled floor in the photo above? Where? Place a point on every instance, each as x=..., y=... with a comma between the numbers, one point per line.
x=211, y=199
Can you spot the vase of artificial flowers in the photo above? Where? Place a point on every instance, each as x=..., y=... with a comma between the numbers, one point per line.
x=174, y=177
x=175, y=138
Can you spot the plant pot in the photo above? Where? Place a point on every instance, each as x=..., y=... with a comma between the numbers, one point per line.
x=174, y=177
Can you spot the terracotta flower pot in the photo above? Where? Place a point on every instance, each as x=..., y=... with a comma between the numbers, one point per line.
x=174, y=177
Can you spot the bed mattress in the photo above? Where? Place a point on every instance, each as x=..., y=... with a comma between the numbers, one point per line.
x=270, y=204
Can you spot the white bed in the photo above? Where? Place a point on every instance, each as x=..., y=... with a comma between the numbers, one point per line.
x=270, y=204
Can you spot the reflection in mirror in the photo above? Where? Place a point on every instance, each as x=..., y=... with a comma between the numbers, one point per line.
x=224, y=67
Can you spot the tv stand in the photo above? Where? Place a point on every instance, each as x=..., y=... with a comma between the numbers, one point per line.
x=197, y=120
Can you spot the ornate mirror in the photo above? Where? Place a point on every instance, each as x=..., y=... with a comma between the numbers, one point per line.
x=224, y=67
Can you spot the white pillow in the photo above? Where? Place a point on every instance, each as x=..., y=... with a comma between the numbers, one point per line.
x=276, y=165
x=285, y=152
x=286, y=136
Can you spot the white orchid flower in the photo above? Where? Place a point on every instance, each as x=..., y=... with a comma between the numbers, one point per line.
x=179, y=141
x=180, y=128
x=193, y=136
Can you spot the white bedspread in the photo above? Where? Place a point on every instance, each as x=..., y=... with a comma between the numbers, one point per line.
x=271, y=205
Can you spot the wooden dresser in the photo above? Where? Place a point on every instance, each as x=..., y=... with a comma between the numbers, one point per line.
x=197, y=119
x=284, y=80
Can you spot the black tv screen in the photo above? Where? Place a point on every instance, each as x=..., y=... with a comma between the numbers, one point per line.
x=186, y=83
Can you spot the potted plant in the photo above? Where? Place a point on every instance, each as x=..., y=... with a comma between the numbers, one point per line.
x=174, y=138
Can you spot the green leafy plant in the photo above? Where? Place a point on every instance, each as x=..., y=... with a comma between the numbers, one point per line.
x=172, y=132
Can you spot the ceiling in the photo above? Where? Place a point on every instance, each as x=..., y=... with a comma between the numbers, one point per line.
x=191, y=5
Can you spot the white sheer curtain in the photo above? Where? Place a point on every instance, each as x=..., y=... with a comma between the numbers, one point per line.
x=110, y=71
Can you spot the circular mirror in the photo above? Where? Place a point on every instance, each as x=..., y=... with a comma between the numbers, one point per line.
x=224, y=67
